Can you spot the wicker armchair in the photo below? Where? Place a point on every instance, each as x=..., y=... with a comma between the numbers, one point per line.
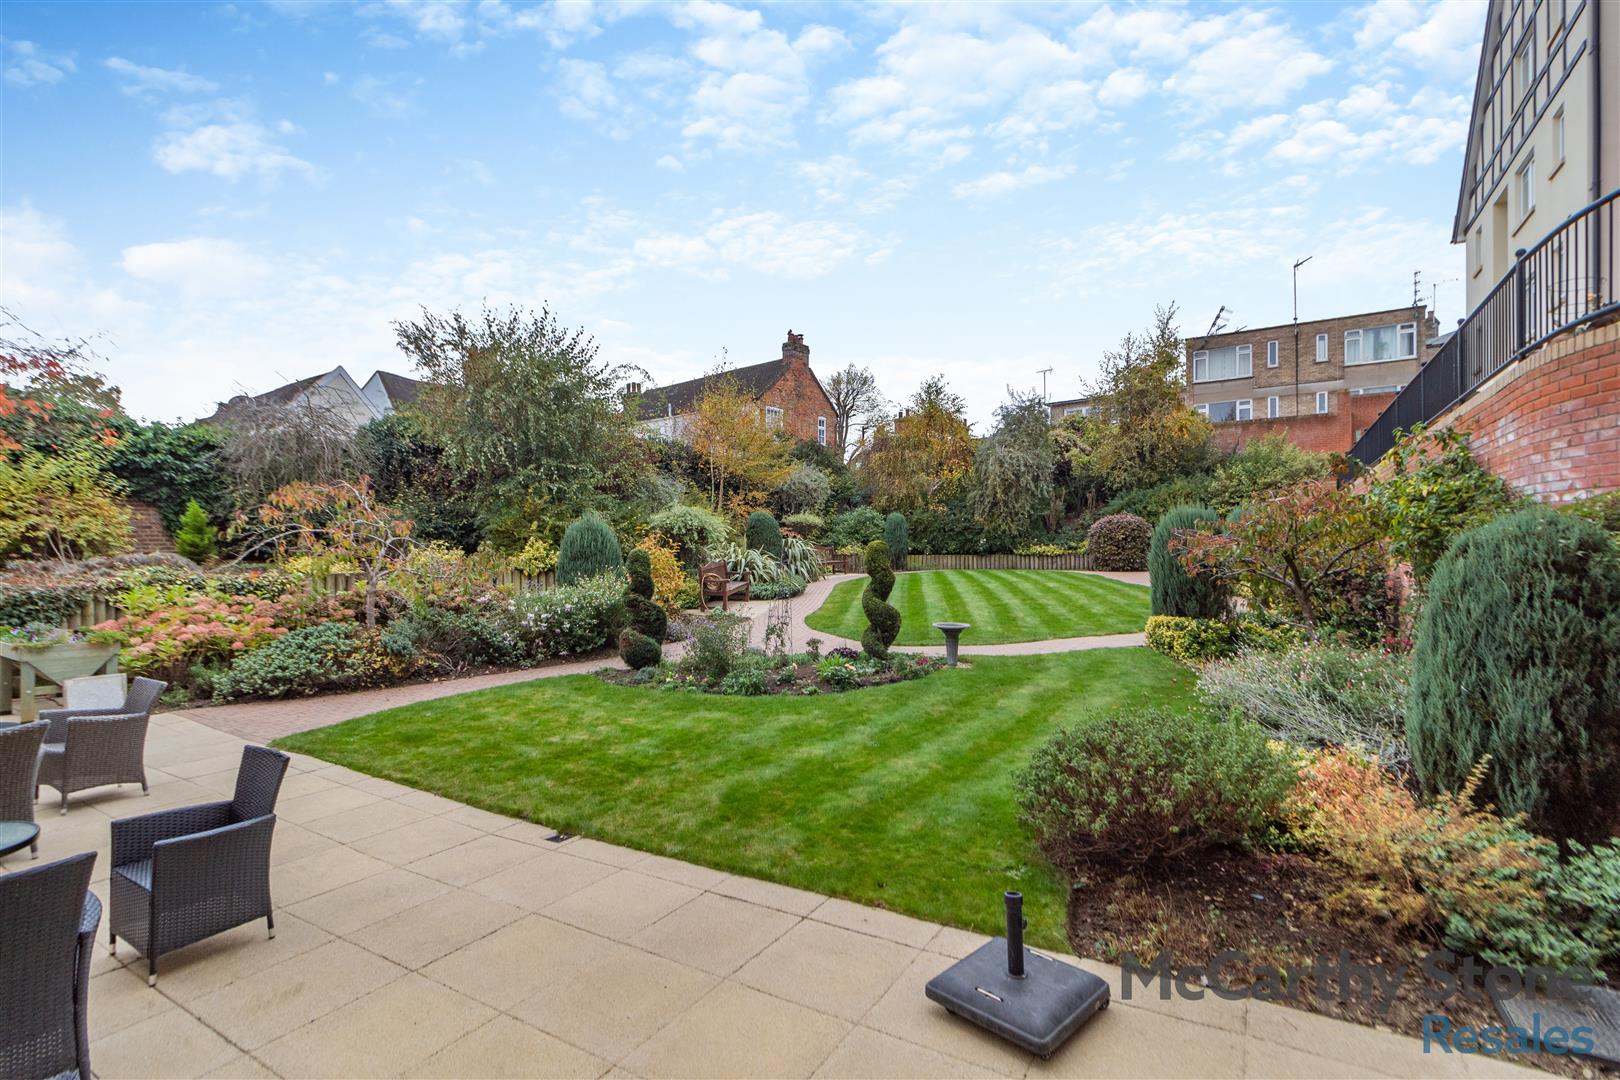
x=182, y=875
x=45, y=941
x=19, y=765
x=87, y=748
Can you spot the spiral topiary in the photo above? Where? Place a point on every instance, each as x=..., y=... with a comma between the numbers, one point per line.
x=1174, y=590
x=639, y=644
x=882, y=619
x=763, y=534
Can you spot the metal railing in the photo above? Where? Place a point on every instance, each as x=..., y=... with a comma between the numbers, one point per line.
x=1564, y=282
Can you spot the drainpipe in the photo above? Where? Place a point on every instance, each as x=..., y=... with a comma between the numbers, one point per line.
x=1597, y=103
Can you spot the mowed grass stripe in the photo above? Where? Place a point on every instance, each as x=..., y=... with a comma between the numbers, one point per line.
x=899, y=795
x=1003, y=606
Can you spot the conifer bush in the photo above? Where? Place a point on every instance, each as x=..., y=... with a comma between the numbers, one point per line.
x=896, y=536
x=195, y=538
x=588, y=549
x=764, y=534
x=882, y=618
x=1174, y=590
x=1517, y=659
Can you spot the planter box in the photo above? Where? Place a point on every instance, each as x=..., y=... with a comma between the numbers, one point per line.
x=52, y=664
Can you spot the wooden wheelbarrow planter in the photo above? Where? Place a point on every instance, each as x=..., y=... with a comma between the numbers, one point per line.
x=25, y=668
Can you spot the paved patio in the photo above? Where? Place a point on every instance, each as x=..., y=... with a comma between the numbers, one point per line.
x=421, y=937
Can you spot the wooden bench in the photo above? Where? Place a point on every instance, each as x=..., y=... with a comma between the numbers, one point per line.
x=714, y=581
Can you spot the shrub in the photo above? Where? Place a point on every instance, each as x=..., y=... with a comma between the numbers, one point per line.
x=717, y=642
x=788, y=585
x=1603, y=509
x=538, y=556
x=763, y=534
x=800, y=559
x=693, y=531
x=896, y=537
x=882, y=619
x=806, y=525
x=805, y=490
x=589, y=548
x=195, y=538
x=665, y=567
x=1261, y=467
x=1317, y=695
x=759, y=566
x=165, y=631
x=569, y=619
x=1145, y=785
x=1192, y=640
x=1517, y=658
x=639, y=650
x=449, y=640
x=1154, y=502
x=860, y=527
x=648, y=621
x=1119, y=542
x=1174, y=590
x=324, y=657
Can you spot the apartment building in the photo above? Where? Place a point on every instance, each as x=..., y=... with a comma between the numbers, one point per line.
x=1081, y=406
x=1320, y=383
x=1546, y=95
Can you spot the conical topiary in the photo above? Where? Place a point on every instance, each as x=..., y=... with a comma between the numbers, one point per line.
x=1174, y=590
x=882, y=619
x=195, y=539
x=898, y=538
x=764, y=534
x=588, y=549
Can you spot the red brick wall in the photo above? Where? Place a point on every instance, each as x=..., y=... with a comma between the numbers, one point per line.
x=801, y=400
x=1550, y=424
x=146, y=527
x=1334, y=431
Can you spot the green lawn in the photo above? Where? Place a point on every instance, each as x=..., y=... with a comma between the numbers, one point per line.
x=1002, y=605
x=899, y=795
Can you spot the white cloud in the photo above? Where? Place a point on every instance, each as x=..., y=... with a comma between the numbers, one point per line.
x=231, y=147
x=1005, y=183
x=764, y=241
x=196, y=266
x=29, y=65
x=670, y=163
x=138, y=80
x=382, y=96
x=586, y=93
x=1123, y=86
x=1436, y=37
x=1246, y=59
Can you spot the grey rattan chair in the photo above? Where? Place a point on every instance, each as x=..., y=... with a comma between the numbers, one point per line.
x=88, y=748
x=19, y=765
x=182, y=875
x=45, y=941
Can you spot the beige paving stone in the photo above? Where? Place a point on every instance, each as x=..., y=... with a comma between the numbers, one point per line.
x=121, y=999
x=482, y=820
x=612, y=854
x=381, y=1034
x=1486, y=1066
x=291, y=842
x=476, y=859
x=622, y=904
x=189, y=770
x=252, y=1012
x=1210, y=1010
x=828, y=968
x=906, y=1013
x=871, y=1055
x=215, y=963
x=321, y=872
x=538, y=883
x=242, y=1067
x=505, y=1047
x=956, y=943
x=1125, y=1042
x=334, y=800
x=351, y=825
x=376, y=785
x=502, y=968
x=698, y=877
x=295, y=785
x=170, y=1044
x=884, y=924
x=714, y=933
x=530, y=833
x=1325, y=1036
x=605, y=997
x=427, y=836
x=222, y=783
x=437, y=928
x=344, y=910
x=1264, y=1059
x=428, y=802
x=736, y=1031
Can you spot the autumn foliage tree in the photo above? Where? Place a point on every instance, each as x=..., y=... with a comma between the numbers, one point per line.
x=742, y=457
x=1298, y=546
x=924, y=455
x=345, y=519
x=49, y=397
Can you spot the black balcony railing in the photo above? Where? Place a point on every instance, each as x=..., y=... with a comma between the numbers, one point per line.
x=1565, y=281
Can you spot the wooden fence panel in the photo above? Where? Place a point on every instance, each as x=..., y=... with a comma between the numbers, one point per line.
x=855, y=564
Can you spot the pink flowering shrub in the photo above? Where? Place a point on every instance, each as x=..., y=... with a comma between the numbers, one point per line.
x=167, y=638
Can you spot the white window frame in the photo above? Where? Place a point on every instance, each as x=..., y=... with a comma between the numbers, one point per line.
x=1273, y=353
x=773, y=417
x=1354, y=339
x=1242, y=410
x=821, y=430
x=1273, y=407
x=1560, y=139
x=1245, y=409
x=1524, y=187
x=1321, y=348
x=1245, y=363
x=1321, y=402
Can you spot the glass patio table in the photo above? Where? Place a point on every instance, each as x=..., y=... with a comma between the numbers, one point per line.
x=15, y=835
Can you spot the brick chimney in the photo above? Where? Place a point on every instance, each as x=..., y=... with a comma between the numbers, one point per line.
x=795, y=350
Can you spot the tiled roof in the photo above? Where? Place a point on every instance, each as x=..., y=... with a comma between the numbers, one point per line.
x=680, y=399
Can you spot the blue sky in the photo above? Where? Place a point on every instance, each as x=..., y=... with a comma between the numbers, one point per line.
x=233, y=195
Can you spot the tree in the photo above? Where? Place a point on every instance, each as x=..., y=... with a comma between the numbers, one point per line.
x=1173, y=591
x=1012, y=473
x=855, y=397
x=1140, y=432
x=49, y=399
x=741, y=455
x=195, y=538
x=269, y=445
x=345, y=519
x=1300, y=543
x=515, y=395
x=924, y=456
x=61, y=506
x=804, y=491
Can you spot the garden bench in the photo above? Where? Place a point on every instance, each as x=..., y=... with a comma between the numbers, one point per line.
x=714, y=579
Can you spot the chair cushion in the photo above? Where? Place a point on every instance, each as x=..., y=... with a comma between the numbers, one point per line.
x=137, y=873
